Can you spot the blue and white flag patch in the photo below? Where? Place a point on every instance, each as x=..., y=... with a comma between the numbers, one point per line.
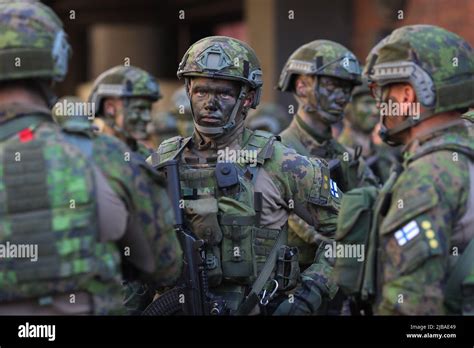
x=334, y=189
x=407, y=233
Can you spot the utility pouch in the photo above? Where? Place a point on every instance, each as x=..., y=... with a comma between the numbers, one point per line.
x=287, y=268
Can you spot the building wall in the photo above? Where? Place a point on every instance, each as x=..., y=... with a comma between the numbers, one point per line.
x=370, y=25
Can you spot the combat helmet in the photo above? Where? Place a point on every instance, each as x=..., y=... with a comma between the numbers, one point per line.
x=438, y=64
x=33, y=43
x=221, y=57
x=124, y=82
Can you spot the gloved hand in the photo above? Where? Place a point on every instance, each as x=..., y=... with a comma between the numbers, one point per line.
x=296, y=304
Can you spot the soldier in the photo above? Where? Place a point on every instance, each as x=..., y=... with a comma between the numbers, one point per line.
x=87, y=217
x=239, y=186
x=321, y=75
x=423, y=79
x=361, y=118
x=123, y=98
x=268, y=117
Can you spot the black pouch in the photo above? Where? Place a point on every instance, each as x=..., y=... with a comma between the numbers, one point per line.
x=287, y=268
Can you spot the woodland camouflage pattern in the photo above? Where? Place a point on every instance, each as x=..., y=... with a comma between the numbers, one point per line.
x=73, y=178
x=329, y=51
x=29, y=30
x=133, y=82
x=444, y=55
x=309, y=142
x=434, y=190
x=233, y=66
x=38, y=191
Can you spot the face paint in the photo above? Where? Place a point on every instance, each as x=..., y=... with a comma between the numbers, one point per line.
x=332, y=95
x=212, y=101
x=137, y=113
x=365, y=112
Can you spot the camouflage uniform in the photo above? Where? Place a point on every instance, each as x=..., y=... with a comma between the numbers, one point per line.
x=59, y=188
x=428, y=224
x=240, y=226
x=268, y=117
x=359, y=122
x=321, y=58
x=138, y=90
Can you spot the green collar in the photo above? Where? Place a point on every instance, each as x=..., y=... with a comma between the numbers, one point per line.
x=320, y=137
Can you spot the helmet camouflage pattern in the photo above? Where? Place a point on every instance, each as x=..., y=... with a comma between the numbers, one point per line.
x=437, y=63
x=124, y=82
x=225, y=58
x=32, y=42
x=320, y=58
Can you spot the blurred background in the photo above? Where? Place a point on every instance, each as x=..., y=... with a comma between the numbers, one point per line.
x=154, y=34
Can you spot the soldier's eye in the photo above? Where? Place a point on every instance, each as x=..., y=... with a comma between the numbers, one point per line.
x=225, y=95
x=200, y=93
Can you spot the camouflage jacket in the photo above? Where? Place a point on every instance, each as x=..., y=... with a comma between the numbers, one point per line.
x=428, y=224
x=131, y=180
x=352, y=173
x=286, y=180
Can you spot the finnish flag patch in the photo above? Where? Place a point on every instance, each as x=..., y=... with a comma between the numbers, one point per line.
x=334, y=188
x=407, y=233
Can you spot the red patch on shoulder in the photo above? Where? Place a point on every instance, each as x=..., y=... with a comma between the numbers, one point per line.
x=25, y=135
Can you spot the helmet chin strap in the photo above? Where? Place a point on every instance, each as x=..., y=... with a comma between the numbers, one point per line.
x=387, y=134
x=230, y=124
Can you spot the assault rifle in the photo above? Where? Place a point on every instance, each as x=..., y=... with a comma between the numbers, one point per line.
x=191, y=296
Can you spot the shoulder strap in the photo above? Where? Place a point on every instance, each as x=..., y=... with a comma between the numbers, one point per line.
x=253, y=297
x=262, y=142
x=15, y=125
x=169, y=150
x=469, y=152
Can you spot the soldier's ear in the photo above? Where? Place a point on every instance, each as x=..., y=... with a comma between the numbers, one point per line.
x=110, y=107
x=301, y=86
x=249, y=99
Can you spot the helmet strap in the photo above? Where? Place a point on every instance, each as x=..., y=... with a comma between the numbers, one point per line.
x=387, y=134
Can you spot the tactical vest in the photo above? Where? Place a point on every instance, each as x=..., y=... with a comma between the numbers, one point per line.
x=47, y=200
x=223, y=207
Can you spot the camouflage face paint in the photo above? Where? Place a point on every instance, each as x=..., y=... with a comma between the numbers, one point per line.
x=137, y=112
x=365, y=112
x=332, y=95
x=212, y=101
